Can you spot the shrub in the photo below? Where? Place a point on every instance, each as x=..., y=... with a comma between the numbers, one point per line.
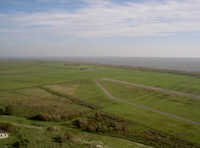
x=22, y=143
x=55, y=116
x=46, y=117
x=52, y=129
x=7, y=127
x=2, y=110
x=41, y=117
x=66, y=137
x=92, y=127
x=102, y=123
x=9, y=110
x=81, y=123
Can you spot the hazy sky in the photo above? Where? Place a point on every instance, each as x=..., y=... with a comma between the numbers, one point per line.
x=159, y=28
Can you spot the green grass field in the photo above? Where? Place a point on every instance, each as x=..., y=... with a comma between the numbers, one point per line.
x=47, y=98
x=179, y=105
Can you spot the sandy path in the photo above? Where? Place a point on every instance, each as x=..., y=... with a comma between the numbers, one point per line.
x=23, y=125
x=154, y=88
x=146, y=107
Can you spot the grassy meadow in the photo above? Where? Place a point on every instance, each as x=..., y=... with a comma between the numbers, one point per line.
x=58, y=104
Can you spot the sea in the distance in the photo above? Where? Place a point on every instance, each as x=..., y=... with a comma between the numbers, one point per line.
x=180, y=64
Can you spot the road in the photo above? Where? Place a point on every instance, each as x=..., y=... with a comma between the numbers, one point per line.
x=154, y=88
x=145, y=107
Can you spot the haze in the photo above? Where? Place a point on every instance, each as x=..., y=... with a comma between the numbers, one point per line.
x=133, y=28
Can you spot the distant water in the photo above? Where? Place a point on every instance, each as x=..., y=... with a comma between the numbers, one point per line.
x=182, y=64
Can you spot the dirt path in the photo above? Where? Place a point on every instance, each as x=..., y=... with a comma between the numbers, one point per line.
x=27, y=126
x=23, y=125
x=154, y=88
x=146, y=107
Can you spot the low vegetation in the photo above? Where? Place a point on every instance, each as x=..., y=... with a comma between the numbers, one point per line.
x=115, y=126
x=102, y=123
x=58, y=104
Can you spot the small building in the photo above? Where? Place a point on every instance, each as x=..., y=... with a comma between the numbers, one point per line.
x=3, y=134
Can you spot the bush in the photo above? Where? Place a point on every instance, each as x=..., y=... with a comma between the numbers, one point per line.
x=92, y=127
x=55, y=117
x=81, y=123
x=41, y=117
x=46, y=117
x=22, y=143
x=7, y=127
x=66, y=137
x=52, y=129
x=2, y=110
x=102, y=123
x=9, y=110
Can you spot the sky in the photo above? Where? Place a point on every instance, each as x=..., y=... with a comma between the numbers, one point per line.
x=126, y=28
